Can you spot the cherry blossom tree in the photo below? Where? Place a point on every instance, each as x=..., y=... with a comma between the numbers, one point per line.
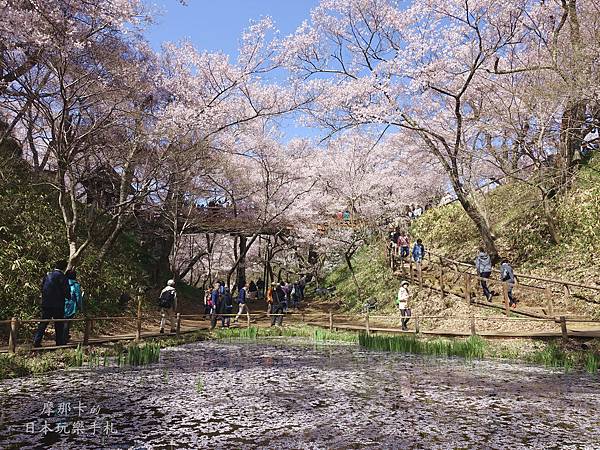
x=417, y=70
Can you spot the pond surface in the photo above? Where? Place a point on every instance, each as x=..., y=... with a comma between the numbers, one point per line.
x=276, y=394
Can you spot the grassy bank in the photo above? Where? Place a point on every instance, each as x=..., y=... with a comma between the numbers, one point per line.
x=24, y=364
x=551, y=355
x=515, y=214
x=373, y=275
x=315, y=333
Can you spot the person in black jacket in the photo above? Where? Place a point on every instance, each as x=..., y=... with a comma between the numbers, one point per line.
x=279, y=304
x=55, y=289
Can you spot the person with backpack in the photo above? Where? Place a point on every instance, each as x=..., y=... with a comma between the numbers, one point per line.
x=55, y=289
x=216, y=300
x=402, y=302
x=226, y=308
x=73, y=302
x=418, y=251
x=278, y=306
x=252, y=291
x=241, y=300
x=167, y=301
x=507, y=276
x=483, y=265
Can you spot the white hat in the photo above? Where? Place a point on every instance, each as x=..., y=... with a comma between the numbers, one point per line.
x=171, y=283
x=404, y=283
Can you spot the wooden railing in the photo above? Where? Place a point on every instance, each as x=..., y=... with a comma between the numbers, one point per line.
x=330, y=320
x=445, y=266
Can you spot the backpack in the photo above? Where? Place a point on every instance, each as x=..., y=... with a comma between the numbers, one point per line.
x=227, y=299
x=166, y=298
x=73, y=302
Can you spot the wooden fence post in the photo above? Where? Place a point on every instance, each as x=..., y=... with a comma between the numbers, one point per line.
x=12, y=337
x=138, y=331
x=549, y=301
x=410, y=270
x=247, y=317
x=506, y=299
x=417, y=328
x=467, y=280
x=473, y=332
x=563, y=328
x=87, y=329
x=178, y=328
x=420, y=274
x=330, y=320
x=367, y=323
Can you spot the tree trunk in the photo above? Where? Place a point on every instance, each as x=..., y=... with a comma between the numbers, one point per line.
x=485, y=232
x=571, y=129
x=241, y=268
x=552, y=226
x=349, y=264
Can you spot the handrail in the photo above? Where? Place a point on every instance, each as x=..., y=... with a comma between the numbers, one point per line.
x=324, y=317
x=528, y=276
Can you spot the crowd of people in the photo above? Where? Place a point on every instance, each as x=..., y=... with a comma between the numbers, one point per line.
x=62, y=296
x=399, y=245
x=219, y=301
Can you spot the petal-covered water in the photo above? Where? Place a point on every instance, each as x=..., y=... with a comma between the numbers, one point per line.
x=293, y=395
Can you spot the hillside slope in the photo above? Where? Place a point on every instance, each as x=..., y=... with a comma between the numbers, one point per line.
x=522, y=235
x=32, y=238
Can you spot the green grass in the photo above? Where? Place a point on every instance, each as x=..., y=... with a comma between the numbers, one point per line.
x=592, y=362
x=199, y=385
x=372, y=274
x=473, y=347
x=314, y=333
x=553, y=356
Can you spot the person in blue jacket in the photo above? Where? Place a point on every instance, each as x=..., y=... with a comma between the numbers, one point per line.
x=418, y=251
x=55, y=289
x=72, y=302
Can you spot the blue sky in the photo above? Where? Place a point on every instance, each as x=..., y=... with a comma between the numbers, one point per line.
x=217, y=24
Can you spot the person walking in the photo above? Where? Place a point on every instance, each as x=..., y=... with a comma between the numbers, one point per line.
x=207, y=303
x=167, y=301
x=507, y=276
x=269, y=299
x=404, y=245
x=260, y=285
x=301, y=285
x=252, y=291
x=418, y=251
x=216, y=300
x=278, y=306
x=55, y=289
x=72, y=302
x=403, y=306
x=241, y=300
x=227, y=308
x=483, y=265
